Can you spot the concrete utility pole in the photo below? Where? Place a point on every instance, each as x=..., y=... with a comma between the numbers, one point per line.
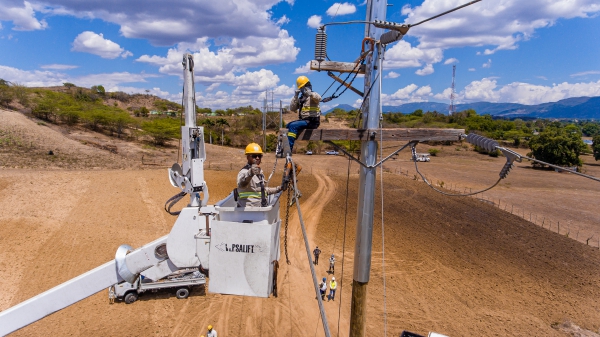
x=376, y=10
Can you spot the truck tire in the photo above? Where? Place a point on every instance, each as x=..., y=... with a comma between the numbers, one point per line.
x=131, y=297
x=182, y=293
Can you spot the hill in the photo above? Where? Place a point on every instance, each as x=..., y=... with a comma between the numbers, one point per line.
x=457, y=266
x=570, y=108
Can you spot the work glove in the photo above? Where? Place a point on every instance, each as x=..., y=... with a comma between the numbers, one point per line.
x=296, y=93
x=305, y=91
x=255, y=170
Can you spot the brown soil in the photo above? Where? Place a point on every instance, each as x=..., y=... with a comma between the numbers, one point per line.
x=457, y=266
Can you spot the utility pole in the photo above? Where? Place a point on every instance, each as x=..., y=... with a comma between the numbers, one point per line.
x=376, y=10
x=452, y=94
x=264, y=121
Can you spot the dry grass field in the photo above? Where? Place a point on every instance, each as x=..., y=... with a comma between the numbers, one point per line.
x=457, y=266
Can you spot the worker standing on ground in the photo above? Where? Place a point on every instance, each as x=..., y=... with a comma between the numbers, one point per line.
x=323, y=288
x=251, y=190
x=211, y=332
x=316, y=253
x=332, y=264
x=332, y=288
x=307, y=104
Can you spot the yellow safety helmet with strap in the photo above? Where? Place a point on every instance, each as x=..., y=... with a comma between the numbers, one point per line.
x=253, y=148
x=301, y=81
x=210, y=327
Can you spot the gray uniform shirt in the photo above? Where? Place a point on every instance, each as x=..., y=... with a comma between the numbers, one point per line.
x=249, y=188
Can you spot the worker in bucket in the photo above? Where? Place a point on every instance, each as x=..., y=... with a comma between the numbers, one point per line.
x=211, y=332
x=332, y=264
x=307, y=104
x=323, y=288
x=332, y=288
x=251, y=190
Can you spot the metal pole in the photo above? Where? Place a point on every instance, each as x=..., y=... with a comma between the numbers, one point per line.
x=280, y=114
x=376, y=10
x=264, y=122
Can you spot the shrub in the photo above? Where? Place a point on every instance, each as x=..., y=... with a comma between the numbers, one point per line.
x=162, y=129
x=433, y=151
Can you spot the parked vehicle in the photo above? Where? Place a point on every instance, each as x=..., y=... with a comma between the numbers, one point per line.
x=309, y=152
x=183, y=281
x=332, y=152
x=424, y=157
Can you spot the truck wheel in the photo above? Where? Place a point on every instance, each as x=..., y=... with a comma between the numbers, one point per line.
x=182, y=293
x=130, y=298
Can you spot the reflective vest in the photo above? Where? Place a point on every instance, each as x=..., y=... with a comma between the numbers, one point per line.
x=332, y=285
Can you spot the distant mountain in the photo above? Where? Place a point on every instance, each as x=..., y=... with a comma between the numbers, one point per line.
x=345, y=107
x=575, y=107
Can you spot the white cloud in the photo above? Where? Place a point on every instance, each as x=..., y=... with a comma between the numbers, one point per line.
x=525, y=93
x=283, y=20
x=314, y=21
x=58, y=66
x=222, y=99
x=451, y=61
x=408, y=94
x=501, y=24
x=585, y=73
x=236, y=55
x=38, y=78
x=90, y=42
x=488, y=64
x=341, y=9
x=542, y=78
x=472, y=69
x=403, y=55
x=22, y=15
x=427, y=70
x=392, y=74
x=304, y=69
x=164, y=23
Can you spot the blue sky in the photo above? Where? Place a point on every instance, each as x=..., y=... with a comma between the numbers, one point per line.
x=518, y=51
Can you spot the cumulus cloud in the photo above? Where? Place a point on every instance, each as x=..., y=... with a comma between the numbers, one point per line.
x=222, y=99
x=304, y=69
x=58, y=66
x=403, y=55
x=392, y=74
x=237, y=55
x=341, y=9
x=451, y=61
x=427, y=70
x=410, y=93
x=165, y=24
x=472, y=69
x=314, y=21
x=46, y=78
x=501, y=24
x=518, y=92
x=283, y=20
x=22, y=15
x=90, y=42
x=488, y=64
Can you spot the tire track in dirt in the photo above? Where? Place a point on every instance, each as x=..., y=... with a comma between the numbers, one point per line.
x=287, y=314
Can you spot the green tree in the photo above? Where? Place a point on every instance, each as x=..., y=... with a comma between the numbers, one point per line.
x=162, y=129
x=558, y=145
x=221, y=122
x=98, y=89
x=596, y=146
x=69, y=85
x=6, y=94
x=46, y=107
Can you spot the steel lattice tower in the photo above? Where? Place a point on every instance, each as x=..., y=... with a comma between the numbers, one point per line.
x=452, y=95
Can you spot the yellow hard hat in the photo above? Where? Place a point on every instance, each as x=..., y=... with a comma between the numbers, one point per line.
x=301, y=81
x=253, y=148
x=210, y=327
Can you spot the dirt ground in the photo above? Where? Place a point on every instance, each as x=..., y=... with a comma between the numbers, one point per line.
x=456, y=266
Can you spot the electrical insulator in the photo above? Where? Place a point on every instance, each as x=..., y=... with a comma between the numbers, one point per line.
x=485, y=143
x=506, y=169
x=402, y=28
x=321, y=45
x=391, y=36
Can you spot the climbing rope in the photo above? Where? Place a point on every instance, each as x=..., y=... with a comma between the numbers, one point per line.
x=308, y=255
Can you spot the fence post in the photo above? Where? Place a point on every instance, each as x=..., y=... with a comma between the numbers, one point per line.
x=558, y=231
x=512, y=207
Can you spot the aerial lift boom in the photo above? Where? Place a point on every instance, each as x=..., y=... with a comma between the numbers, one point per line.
x=189, y=243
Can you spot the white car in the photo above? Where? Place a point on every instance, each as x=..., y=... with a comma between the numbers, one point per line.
x=422, y=157
x=332, y=152
x=309, y=152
